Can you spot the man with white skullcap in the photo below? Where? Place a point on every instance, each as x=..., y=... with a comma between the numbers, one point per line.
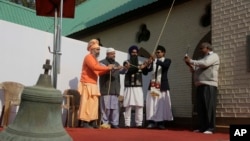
x=110, y=90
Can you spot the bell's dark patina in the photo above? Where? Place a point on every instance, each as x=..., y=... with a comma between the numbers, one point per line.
x=39, y=117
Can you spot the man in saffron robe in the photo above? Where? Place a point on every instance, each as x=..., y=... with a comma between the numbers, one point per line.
x=91, y=69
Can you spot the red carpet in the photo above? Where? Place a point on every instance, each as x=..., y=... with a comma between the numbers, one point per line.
x=133, y=134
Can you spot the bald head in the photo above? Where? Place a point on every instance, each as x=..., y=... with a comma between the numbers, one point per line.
x=206, y=45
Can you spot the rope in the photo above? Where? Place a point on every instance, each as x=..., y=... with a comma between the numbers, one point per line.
x=110, y=73
x=164, y=26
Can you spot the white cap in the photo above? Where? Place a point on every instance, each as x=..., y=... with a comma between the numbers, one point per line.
x=110, y=49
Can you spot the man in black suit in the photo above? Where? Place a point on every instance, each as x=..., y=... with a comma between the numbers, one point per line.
x=158, y=102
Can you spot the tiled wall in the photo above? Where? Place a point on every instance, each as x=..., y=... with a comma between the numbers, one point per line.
x=230, y=27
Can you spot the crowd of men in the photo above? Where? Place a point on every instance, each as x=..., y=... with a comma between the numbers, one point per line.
x=106, y=99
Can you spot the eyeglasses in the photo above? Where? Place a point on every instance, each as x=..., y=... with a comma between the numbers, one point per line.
x=133, y=52
x=158, y=52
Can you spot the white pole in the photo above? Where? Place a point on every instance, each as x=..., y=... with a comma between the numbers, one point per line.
x=54, y=67
x=57, y=44
x=59, y=37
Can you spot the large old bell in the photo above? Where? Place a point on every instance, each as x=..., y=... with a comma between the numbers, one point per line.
x=39, y=117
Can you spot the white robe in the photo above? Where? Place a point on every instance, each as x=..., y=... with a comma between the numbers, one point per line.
x=158, y=108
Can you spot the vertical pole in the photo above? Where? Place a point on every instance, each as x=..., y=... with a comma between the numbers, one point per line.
x=57, y=44
x=59, y=37
x=54, y=52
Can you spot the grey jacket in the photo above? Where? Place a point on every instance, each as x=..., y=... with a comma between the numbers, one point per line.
x=113, y=86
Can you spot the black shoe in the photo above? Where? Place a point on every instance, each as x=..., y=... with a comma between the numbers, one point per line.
x=86, y=125
x=197, y=131
x=151, y=126
x=161, y=127
x=93, y=124
x=127, y=126
x=140, y=127
x=114, y=126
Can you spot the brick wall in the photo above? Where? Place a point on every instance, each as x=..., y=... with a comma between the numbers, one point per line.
x=230, y=26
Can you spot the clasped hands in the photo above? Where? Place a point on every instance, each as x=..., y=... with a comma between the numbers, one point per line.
x=113, y=67
x=147, y=62
x=150, y=60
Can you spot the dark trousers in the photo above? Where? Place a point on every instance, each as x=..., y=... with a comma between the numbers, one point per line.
x=206, y=106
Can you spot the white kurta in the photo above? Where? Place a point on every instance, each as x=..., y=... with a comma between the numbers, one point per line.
x=133, y=96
